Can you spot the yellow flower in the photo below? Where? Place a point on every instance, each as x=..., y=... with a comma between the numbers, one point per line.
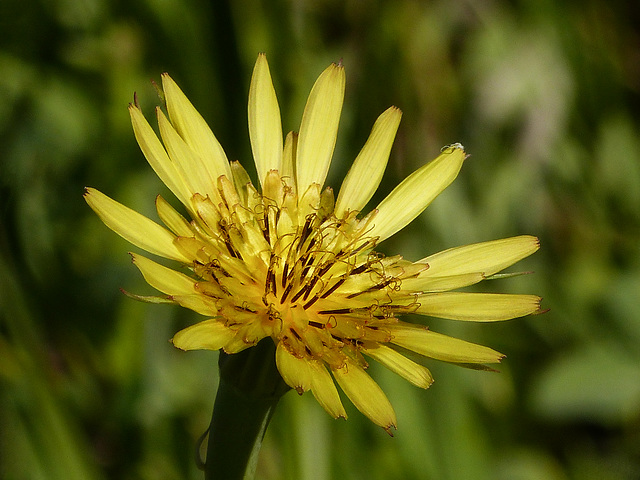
x=288, y=262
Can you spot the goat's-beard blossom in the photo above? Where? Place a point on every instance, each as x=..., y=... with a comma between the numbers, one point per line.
x=287, y=261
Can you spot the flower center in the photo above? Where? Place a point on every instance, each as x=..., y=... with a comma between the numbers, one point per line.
x=287, y=268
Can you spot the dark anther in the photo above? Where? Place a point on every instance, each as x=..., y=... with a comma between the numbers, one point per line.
x=359, y=269
x=285, y=272
x=244, y=308
x=306, y=230
x=324, y=269
x=300, y=293
x=378, y=286
x=265, y=232
x=270, y=282
x=312, y=284
x=333, y=288
x=339, y=311
x=286, y=293
x=313, y=300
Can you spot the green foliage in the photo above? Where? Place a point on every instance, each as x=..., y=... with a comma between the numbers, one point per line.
x=544, y=95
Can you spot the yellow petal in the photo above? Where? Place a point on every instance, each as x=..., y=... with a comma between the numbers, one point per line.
x=416, y=192
x=441, y=347
x=162, y=278
x=367, y=170
x=157, y=156
x=477, y=307
x=248, y=334
x=325, y=391
x=440, y=283
x=319, y=128
x=289, y=160
x=486, y=257
x=241, y=181
x=294, y=370
x=398, y=363
x=187, y=161
x=308, y=203
x=206, y=211
x=207, y=335
x=172, y=219
x=265, y=125
x=237, y=344
x=194, y=130
x=199, y=303
x=366, y=395
x=134, y=227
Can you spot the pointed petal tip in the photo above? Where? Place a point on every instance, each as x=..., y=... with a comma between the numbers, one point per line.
x=388, y=429
x=538, y=306
x=538, y=243
x=540, y=310
x=172, y=342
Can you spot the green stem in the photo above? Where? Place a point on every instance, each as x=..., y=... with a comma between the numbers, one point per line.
x=249, y=390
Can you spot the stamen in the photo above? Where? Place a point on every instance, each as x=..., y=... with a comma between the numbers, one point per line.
x=265, y=230
x=286, y=293
x=306, y=230
x=339, y=311
x=313, y=300
x=324, y=269
x=300, y=293
x=378, y=286
x=230, y=248
x=312, y=284
x=285, y=273
x=359, y=269
x=333, y=288
x=244, y=308
x=270, y=283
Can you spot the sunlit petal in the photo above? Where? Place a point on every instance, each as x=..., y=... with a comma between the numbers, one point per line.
x=265, y=126
x=366, y=395
x=416, y=192
x=365, y=174
x=163, y=278
x=477, y=307
x=442, y=347
x=157, y=156
x=133, y=227
x=209, y=334
x=417, y=374
x=319, y=128
x=486, y=257
x=194, y=130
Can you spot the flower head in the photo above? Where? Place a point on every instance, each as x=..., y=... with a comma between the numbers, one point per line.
x=284, y=260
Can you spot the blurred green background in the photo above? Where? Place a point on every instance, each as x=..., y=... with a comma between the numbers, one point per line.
x=543, y=94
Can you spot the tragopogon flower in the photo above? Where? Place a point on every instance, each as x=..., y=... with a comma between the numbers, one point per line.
x=286, y=261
